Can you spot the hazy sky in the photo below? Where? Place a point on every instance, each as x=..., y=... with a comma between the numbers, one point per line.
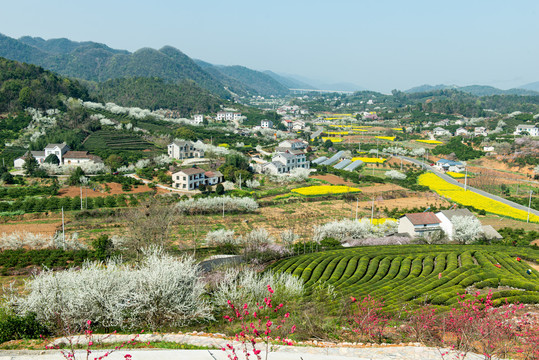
x=379, y=45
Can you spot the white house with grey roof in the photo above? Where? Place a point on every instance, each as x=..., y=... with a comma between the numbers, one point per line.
x=532, y=130
x=180, y=150
x=51, y=149
x=283, y=162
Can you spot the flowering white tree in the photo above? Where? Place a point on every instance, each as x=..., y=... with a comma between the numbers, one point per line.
x=216, y=204
x=418, y=152
x=394, y=174
x=253, y=184
x=466, y=229
x=344, y=230
x=158, y=291
x=221, y=237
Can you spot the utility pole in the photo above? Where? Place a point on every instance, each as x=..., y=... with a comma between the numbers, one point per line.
x=81, y=197
x=401, y=162
x=63, y=231
x=466, y=180
x=529, y=206
x=357, y=207
x=223, y=207
x=372, y=169
x=372, y=210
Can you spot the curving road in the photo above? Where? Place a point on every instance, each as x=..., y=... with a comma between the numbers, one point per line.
x=450, y=180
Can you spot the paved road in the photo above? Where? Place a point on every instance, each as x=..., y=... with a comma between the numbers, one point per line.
x=450, y=180
x=316, y=133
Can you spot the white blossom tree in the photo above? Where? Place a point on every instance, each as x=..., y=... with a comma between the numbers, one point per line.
x=466, y=229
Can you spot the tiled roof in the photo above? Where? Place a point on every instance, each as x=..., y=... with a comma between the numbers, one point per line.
x=214, y=173
x=77, y=155
x=424, y=218
x=192, y=171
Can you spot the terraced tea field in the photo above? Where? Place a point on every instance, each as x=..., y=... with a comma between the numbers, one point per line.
x=115, y=140
x=419, y=273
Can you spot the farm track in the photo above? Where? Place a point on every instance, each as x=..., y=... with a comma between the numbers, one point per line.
x=419, y=273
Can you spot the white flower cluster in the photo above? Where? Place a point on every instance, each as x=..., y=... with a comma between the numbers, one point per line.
x=162, y=160
x=216, y=204
x=40, y=123
x=158, y=291
x=28, y=240
x=199, y=145
x=221, y=237
x=253, y=184
x=418, y=152
x=394, y=150
x=344, y=230
x=394, y=174
x=248, y=286
x=90, y=168
x=296, y=175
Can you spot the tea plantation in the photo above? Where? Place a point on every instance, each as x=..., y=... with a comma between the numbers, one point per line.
x=420, y=273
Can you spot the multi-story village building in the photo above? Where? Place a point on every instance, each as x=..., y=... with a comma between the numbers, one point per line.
x=184, y=150
x=192, y=178
x=228, y=115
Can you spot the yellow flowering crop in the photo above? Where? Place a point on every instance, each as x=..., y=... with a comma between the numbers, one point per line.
x=390, y=138
x=369, y=160
x=337, y=132
x=430, y=141
x=468, y=198
x=396, y=129
x=380, y=221
x=455, y=175
x=333, y=139
x=224, y=145
x=359, y=130
x=324, y=190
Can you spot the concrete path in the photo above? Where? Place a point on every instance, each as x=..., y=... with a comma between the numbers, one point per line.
x=161, y=186
x=450, y=180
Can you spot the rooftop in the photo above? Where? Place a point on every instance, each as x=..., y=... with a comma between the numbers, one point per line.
x=424, y=218
x=192, y=171
x=457, y=212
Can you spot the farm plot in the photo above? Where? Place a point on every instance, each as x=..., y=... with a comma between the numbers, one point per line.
x=420, y=273
x=114, y=140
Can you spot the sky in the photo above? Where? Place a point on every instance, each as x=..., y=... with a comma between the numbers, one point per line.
x=379, y=45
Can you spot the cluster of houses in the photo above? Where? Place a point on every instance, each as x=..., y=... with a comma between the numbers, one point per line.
x=425, y=223
x=289, y=155
x=65, y=156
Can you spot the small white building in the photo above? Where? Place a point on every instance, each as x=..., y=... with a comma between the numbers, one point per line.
x=283, y=162
x=184, y=150
x=198, y=119
x=439, y=131
x=293, y=144
x=488, y=148
x=480, y=131
x=461, y=132
x=57, y=149
x=419, y=224
x=80, y=157
x=450, y=165
x=228, y=115
x=266, y=124
x=532, y=130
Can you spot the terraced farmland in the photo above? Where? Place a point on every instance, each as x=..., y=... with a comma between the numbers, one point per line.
x=419, y=273
x=115, y=140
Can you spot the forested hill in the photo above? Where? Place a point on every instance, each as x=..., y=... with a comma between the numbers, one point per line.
x=97, y=62
x=23, y=85
x=154, y=93
x=477, y=90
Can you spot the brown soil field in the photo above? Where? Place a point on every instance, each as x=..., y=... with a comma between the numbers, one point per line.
x=115, y=189
x=333, y=179
x=533, y=265
x=500, y=163
x=380, y=188
x=31, y=227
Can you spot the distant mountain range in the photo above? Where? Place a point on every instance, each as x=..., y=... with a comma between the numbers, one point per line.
x=97, y=62
x=479, y=90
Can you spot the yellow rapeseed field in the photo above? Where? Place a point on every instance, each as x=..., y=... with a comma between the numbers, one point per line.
x=455, y=175
x=370, y=160
x=468, y=198
x=324, y=190
x=333, y=139
x=430, y=141
x=390, y=138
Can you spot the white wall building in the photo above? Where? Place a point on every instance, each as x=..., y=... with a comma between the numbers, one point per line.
x=228, y=115
x=419, y=224
x=198, y=119
x=532, y=130
x=445, y=217
x=266, y=124
x=184, y=150
x=293, y=144
x=192, y=178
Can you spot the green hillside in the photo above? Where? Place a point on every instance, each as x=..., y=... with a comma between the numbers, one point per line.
x=153, y=93
x=420, y=273
x=261, y=83
x=23, y=85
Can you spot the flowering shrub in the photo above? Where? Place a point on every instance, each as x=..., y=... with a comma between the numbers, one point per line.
x=368, y=319
x=247, y=285
x=396, y=175
x=468, y=198
x=221, y=237
x=466, y=228
x=27, y=240
x=324, y=190
x=160, y=290
x=296, y=175
x=344, y=230
x=216, y=204
x=262, y=322
x=253, y=184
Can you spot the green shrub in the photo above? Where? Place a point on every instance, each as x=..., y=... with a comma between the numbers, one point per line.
x=14, y=327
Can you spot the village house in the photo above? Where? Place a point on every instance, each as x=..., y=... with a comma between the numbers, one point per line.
x=298, y=125
x=446, y=216
x=293, y=144
x=419, y=224
x=80, y=157
x=56, y=149
x=531, y=130
x=283, y=162
x=184, y=150
x=480, y=131
x=198, y=119
x=288, y=124
x=266, y=124
x=461, y=132
x=450, y=165
x=439, y=131
x=192, y=178
x=228, y=115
